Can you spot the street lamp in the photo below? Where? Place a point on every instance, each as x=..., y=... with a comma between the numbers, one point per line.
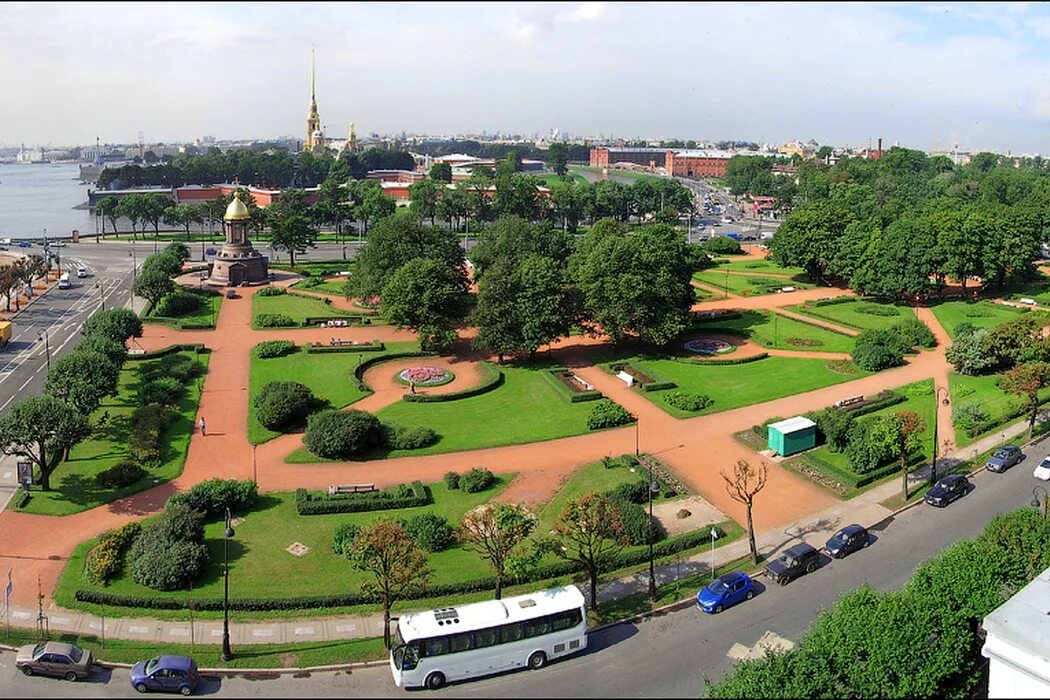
x=134, y=263
x=227, y=536
x=1040, y=504
x=654, y=486
x=936, y=448
x=101, y=294
x=636, y=423
x=727, y=278
x=47, y=347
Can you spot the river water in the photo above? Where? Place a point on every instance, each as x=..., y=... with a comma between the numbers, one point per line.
x=38, y=197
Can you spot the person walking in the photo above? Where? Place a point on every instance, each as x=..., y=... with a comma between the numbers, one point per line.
x=202, y=427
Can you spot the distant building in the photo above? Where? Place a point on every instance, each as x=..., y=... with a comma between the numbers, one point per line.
x=1018, y=643
x=652, y=158
x=314, y=141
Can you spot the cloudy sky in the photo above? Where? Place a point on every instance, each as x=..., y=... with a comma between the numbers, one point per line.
x=925, y=75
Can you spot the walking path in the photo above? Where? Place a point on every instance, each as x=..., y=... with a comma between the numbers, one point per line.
x=802, y=318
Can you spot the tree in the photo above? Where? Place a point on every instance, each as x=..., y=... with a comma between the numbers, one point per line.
x=494, y=531
x=544, y=304
x=743, y=486
x=109, y=208
x=41, y=429
x=428, y=297
x=291, y=228
x=441, y=172
x=496, y=314
x=131, y=208
x=152, y=284
x=907, y=425
x=8, y=282
x=82, y=378
x=115, y=324
x=967, y=352
x=373, y=204
x=152, y=210
x=424, y=196
x=590, y=532
x=1026, y=381
x=557, y=158
x=115, y=352
x=398, y=567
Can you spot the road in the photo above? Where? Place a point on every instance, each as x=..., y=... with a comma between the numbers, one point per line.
x=665, y=655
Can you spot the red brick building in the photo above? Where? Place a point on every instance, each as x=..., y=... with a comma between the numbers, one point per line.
x=698, y=163
x=603, y=157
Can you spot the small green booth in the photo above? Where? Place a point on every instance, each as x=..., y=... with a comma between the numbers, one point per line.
x=792, y=435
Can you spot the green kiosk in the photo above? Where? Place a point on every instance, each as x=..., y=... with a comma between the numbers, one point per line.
x=792, y=435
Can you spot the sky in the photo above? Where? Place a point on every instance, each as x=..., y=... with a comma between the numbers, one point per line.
x=924, y=75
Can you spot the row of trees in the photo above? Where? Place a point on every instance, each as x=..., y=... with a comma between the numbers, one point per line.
x=22, y=272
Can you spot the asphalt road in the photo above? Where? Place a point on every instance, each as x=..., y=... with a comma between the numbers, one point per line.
x=663, y=656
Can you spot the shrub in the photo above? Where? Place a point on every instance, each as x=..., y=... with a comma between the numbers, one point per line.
x=115, y=324
x=310, y=282
x=636, y=522
x=874, y=358
x=476, y=480
x=431, y=532
x=399, y=437
x=214, y=496
x=271, y=292
x=274, y=320
x=969, y=415
x=688, y=401
x=281, y=405
x=165, y=391
x=722, y=245
x=451, y=480
x=835, y=425
x=608, y=414
x=170, y=554
x=630, y=491
x=148, y=424
x=915, y=333
x=124, y=473
x=683, y=513
x=106, y=558
x=804, y=342
x=175, y=366
x=178, y=304
x=344, y=535
x=878, y=310
x=401, y=496
x=867, y=449
x=274, y=348
x=342, y=434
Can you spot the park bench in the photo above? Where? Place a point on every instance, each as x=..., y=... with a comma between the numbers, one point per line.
x=336, y=342
x=351, y=488
x=1026, y=300
x=851, y=401
x=626, y=378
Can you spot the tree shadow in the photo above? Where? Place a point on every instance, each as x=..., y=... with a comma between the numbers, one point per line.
x=797, y=535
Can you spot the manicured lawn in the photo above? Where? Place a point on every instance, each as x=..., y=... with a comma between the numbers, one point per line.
x=329, y=376
x=550, y=178
x=746, y=285
x=857, y=314
x=1001, y=408
x=205, y=314
x=749, y=263
x=1038, y=289
x=772, y=330
x=982, y=314
x=527, y=408
x=335, y=288
x=732, y=386
x=295, y=305
x=73, y=482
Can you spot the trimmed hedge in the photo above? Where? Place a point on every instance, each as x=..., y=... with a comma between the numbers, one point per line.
x=274, y=321
x=492, y=378
x=274, y=348
x=359, y=371
x=724, y=361
x=886, y=398
x=810, y=322
x=608, y=414
x=170, y=350
x=658, y=386
x=699, y=318
x=476, y=480
x=123, y=473
x=666, y=548
x=271, y=292
x=573, y=396
x=213, y=496
x=848, y=478
x=374, y=346
x=307, y=503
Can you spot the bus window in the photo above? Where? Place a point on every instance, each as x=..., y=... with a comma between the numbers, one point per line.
x=565, y=620
x=534, y=628
x=485, y=638
x=462, y=642
x=510, y=633
x=436, y=646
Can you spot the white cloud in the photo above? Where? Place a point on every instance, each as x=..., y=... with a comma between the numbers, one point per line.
x=589, y=12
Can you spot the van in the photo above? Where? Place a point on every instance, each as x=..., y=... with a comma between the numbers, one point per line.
x=82, y=271
x=63, y=281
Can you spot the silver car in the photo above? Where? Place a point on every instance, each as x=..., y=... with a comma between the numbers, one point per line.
x=54, y=659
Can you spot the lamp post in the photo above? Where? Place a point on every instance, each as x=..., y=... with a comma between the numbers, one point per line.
x=936, y=448
x=134, y=264
x=101, y=294
x=255, y=469
x=227, y=536
x=1040, y=504
x=47, y=347
x=636, y=423
x=727, y=278
x=653, y=487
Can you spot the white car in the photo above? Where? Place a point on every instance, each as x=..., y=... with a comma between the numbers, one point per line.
x=1042, y=472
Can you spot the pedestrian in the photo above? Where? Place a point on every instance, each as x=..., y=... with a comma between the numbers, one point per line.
x=202, y=427
x=412, y=386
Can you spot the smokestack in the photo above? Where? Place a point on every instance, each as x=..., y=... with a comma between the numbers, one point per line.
x=880, y=147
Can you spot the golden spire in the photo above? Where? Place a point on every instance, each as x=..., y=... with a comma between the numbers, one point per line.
x=236, y=211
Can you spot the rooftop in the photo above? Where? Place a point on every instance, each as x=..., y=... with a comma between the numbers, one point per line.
x=1023, y=622
x=792, y=425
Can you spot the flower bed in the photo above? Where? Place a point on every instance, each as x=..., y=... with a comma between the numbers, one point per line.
x=709, y=346
x=424, y=376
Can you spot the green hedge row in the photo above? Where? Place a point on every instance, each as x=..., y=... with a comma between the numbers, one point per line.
x=492, y=378
x=572, y=396
x=658, y=386
x=725, y=361
x=698, y=318
x=359, y=371
x=886, y=398
x=307, y=503
x=180, y=323
x=374, y=346
x=667, y=547
x=832, y=302
x=848, y=478
x=170, y=350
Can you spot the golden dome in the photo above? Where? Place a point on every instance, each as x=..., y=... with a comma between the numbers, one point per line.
x=236, y=211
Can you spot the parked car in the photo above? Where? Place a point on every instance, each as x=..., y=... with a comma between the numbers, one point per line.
x=54, y=659
x=793, y=562
x=847, y=540
x=1042, y=472
x=231, y=294
x=947, y=489
x=725, y=591
x=24, y=244
x=1004, y=458
x=176, y=674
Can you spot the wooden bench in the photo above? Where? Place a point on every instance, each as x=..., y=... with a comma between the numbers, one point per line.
x=851, y=401
x=351, y=488
x=336, y=342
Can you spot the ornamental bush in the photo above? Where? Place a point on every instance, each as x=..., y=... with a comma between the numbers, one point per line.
x=915, y=333
x=271, y=292
x=214, y=496
x=835, y=425
x=431, y=532
x=451, y=480
x=165, y=391
x=178, y=304
x=688, y=401
x=636, y=524
x=148, y=424
x=870, y=444
x=342, y=434
x=106, y=558
x=476, y=480
x=630, y=491
x=878, y=310
x=968, y=415
x=344, y=535
x=170, y=554
x=176, y=366
x=274, y=320
x=281, y=405
x=274, y=348
x=310, y=282
x=123, y=473
x=608, y=414
x=399, y=437
x=874, y=358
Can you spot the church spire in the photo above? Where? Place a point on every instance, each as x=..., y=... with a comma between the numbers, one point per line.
x=314, y=138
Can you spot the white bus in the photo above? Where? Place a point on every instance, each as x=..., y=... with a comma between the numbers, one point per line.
x=451, y=644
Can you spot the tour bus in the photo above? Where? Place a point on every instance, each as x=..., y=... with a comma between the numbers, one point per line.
x=451, y=644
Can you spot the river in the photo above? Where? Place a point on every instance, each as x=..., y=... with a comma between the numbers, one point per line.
x=35, y=198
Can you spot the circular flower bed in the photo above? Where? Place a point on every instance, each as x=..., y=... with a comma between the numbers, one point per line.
x=424, y=376
x=709, y=346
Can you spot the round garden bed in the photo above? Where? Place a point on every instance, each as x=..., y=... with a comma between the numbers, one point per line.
x=424, y=376
x=708, y=346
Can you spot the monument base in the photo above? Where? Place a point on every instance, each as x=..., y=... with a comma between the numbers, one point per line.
x=235, y=271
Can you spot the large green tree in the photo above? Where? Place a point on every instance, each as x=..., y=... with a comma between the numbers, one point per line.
x=82, y=379
x=41, y=429
x=558, y=157
x=152, y=284
x=428, y=297
x=495, y=531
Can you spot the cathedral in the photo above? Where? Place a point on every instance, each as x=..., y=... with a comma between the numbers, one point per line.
x=315, y=140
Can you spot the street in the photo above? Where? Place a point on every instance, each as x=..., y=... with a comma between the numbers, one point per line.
x=663, y=656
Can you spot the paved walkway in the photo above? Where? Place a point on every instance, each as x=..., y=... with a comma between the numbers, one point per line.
x=814, y=529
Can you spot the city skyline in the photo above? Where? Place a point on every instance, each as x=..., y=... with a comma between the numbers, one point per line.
x=924, y=75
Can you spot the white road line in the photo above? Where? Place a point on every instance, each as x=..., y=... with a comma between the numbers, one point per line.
x=24, y=384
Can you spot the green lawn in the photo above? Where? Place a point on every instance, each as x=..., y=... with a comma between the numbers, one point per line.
x=857, y=314
x=1001, y=408
x=329, y=376
x=334, y=288
x=527, y=408
x=550, y=178
x=749, y=263
x=746, y=285
x=205, y=314
x=982, y=314
x=73, y=484
x=733, y=386
x=1038, y=289
x=772, y=330
x=295, y=305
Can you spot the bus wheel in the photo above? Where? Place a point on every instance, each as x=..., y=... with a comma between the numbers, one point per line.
x=435, y=681
x=538, y=660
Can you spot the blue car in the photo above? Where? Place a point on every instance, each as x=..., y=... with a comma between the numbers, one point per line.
x=24, y=244
x=174, y=674
x=725, y=591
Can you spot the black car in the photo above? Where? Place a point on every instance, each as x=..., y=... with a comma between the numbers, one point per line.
x=947, y=489
x=846, y=541
x=792, y=563
x=1004, y=458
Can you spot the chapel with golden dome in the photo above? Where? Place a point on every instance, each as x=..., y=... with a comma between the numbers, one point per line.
x=238, y=262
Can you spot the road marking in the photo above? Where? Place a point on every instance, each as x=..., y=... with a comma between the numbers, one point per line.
x=179, y=632
x=216, y=633
x=27, y=381
x=345, y=628
x=262, y=632
x=300, y=631
x=138, y=629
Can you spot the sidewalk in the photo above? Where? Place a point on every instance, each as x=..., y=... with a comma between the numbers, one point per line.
x=816, y=529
